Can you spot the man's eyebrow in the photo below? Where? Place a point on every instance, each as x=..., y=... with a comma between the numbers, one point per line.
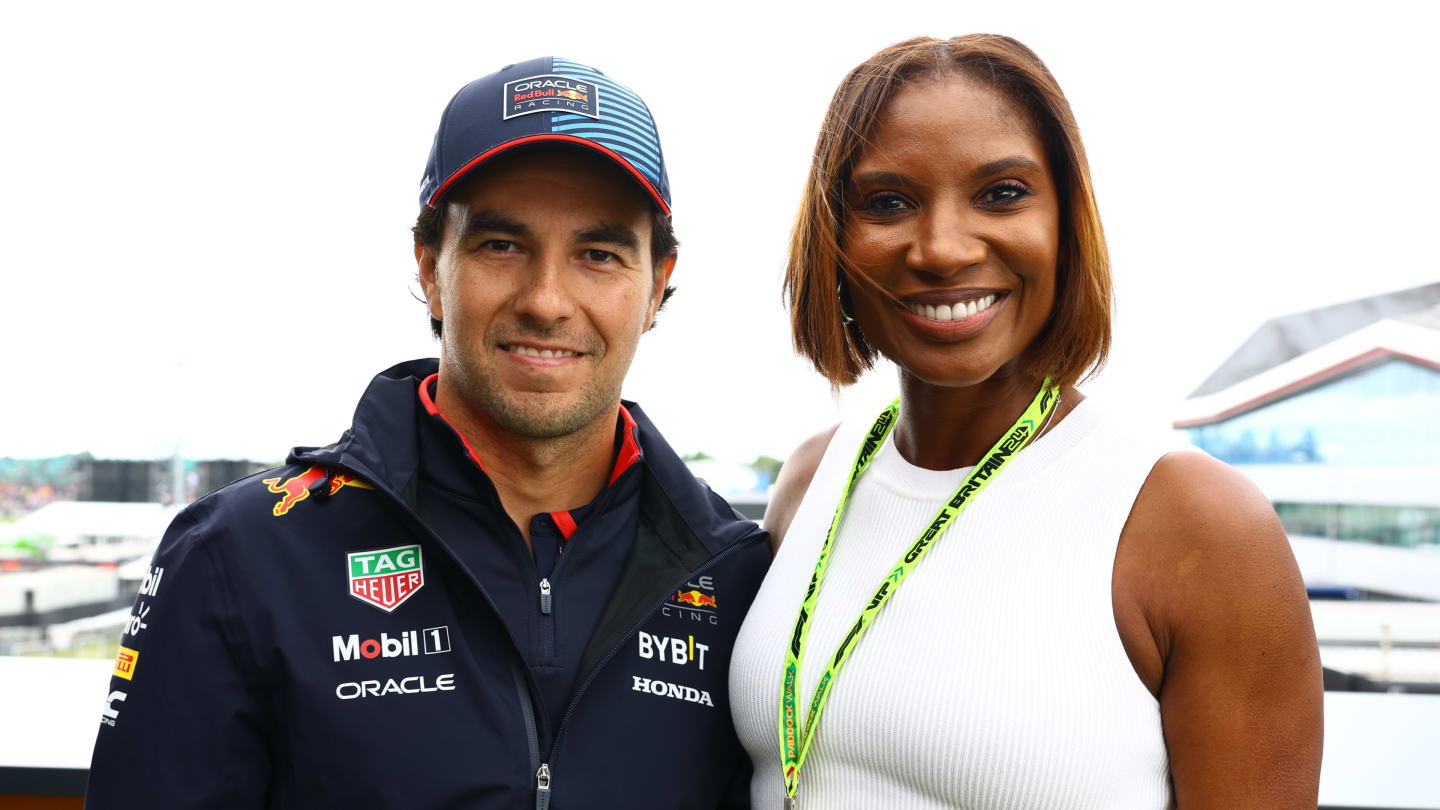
x=609, y=234
x=1006, y=164
x=485, y=221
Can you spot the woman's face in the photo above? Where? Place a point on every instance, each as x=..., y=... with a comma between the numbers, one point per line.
x=952, y=208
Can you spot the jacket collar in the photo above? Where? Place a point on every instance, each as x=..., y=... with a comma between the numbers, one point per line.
x=382, y=446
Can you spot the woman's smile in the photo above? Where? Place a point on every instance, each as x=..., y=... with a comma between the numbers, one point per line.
x=959, y=314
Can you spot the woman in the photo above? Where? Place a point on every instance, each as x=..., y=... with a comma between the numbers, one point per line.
x=1025, y=600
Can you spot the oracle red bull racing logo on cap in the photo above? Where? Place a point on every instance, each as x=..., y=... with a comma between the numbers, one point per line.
x=386, y=577
x=551, y=92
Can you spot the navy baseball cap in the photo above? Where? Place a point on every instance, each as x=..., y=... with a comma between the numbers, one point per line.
x=545, y=101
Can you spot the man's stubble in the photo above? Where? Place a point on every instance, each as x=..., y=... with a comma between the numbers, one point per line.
x=529, y=414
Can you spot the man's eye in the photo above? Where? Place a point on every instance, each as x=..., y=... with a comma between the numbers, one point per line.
x=599, y=256
x=886, y=202
x=1003, y=193
x=500, y=245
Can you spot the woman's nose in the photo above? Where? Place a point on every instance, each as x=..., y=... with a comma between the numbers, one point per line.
x=945, y=243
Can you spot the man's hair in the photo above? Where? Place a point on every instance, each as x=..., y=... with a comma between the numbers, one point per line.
x=429, y=230
x=1077, y=336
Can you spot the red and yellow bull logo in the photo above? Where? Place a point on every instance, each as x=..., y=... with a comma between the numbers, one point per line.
x=696, y=598
x=572, y=94
x=694, y=601
x=295, y=489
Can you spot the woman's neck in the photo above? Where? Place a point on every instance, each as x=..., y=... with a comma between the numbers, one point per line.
x=945, y=428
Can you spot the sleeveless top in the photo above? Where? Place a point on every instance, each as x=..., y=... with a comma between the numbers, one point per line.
x=995, y=677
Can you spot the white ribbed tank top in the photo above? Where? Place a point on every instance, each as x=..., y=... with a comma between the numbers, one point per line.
x=995, y=677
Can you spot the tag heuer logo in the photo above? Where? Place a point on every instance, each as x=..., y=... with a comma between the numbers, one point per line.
x=385, y=577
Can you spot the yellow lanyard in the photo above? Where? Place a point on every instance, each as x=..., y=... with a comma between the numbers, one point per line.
x=794, y=743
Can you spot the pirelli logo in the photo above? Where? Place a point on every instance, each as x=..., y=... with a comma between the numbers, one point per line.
x=125, y=663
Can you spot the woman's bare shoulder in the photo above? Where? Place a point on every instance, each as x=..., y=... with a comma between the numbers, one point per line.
x=792, y=483
x=1207, y=567
x=1207, y=538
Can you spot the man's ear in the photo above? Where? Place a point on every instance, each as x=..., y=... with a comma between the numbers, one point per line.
x=662, y=281
x=429, y=281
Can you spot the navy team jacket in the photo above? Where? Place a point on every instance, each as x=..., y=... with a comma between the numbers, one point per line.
x=304, y=640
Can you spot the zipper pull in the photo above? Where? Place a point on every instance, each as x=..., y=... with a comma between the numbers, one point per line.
x=542, y=787
x=545, y=606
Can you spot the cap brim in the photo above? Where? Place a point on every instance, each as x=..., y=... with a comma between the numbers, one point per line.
x=459, y=173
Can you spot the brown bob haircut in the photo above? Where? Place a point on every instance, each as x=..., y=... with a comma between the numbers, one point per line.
x=1076, y=339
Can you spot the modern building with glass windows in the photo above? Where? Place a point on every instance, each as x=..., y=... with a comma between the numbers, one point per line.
x=1335, y=414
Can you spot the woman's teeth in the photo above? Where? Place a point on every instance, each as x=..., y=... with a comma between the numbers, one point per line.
x=952, y=312
x=530, y=351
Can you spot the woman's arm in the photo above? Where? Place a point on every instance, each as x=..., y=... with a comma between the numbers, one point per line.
x=1214, y=614
x=791, y=484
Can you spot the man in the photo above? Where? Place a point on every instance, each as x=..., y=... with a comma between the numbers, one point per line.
x=500, y=588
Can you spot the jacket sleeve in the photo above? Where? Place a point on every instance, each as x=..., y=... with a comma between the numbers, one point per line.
x=183, y=724
x=737, y=792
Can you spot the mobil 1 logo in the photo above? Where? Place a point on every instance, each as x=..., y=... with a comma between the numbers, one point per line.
x=430, y=641
x=149, y=587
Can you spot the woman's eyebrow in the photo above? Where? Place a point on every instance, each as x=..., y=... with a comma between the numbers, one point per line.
x=1005, y=164
x=880, y=178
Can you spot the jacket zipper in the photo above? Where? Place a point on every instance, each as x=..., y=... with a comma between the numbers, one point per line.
x=525, y=682
x=547, y=768
x=547, y=620
x=527, y=709
x=544, y=773
x=547, y=602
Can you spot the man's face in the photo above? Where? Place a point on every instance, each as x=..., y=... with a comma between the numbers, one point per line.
x=544, y=282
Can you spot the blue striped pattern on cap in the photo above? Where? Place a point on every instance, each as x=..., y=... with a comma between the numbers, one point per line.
x=480, y=124
x=624, y=124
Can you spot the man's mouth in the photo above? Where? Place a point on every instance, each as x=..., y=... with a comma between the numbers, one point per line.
x=526, y=350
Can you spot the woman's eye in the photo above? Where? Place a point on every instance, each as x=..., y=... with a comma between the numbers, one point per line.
x=599, y=256
x=885, y=203
x=1005, y=193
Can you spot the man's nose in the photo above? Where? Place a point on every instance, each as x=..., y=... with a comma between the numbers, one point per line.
x=544, y=296
x=947, y=240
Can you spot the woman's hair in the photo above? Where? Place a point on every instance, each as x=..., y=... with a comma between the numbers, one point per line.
x=1077, y=336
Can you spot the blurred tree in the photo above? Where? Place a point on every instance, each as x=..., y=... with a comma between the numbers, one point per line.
x=767, y=466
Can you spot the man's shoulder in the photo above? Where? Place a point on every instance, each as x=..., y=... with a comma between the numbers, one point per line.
x=278, y=501
x=677, y=498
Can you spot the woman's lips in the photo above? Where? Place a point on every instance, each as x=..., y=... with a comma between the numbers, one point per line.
x=954, y=328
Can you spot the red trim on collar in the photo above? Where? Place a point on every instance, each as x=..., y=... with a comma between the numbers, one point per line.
x=425, y=394
x=628, y=455
x=564, y=522
x=434, y=411
x=629, y=448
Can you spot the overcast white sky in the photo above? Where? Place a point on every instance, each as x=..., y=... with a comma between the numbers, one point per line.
x=204, y=213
